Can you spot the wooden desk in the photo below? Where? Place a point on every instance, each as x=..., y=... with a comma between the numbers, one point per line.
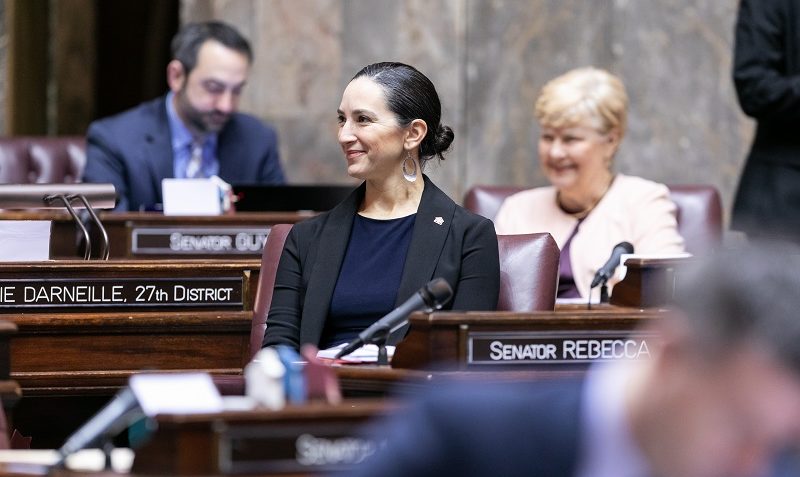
x=297, y=441
x=148, y=235
x=90, y=355
x=560, y=340
x=154, y=235
x=436, y=347
x=262, y=442
x=71, y=357
x=10, y=391
x=648, y=282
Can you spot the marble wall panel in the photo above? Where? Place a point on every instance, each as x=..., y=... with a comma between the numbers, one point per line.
x=307, y=51
x=488, y=59
x=685, y=123
x=423, y=33
x=512, y=49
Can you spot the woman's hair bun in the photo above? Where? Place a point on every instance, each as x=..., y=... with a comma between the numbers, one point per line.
x=442, y=140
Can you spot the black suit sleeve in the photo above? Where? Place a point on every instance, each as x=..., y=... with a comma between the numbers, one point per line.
x=470, y=429
x=764, y=87
x=283, y=321
x=478, y=285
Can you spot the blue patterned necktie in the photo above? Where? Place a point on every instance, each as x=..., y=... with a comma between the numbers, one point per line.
x=194, y=166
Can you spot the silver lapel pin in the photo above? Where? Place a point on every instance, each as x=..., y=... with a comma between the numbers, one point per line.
x=438, y=221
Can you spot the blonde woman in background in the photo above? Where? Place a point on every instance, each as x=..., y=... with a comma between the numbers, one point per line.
x=588, y=208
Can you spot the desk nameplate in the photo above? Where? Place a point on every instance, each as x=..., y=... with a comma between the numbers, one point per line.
x=188, y=240
x=301, y=447
x=120, y=293
x=555, y=347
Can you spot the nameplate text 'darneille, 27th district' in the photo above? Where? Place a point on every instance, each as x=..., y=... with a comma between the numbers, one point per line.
x=120, y=293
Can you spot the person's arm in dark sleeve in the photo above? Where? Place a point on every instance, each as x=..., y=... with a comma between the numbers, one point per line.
x=765, y=90
x=411, y=443
x=283, y=320
x=104, y=164
x=478, y=286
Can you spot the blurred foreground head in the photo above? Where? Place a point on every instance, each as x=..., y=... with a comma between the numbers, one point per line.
x=746, y=298
x=723, y=393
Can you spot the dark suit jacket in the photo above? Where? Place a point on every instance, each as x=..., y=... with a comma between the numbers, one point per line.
x=463, y=251
x=133, y=151
x=767, y=78
x=477, y=430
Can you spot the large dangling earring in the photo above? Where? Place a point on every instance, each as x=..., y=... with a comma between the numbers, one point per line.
x=410, y=176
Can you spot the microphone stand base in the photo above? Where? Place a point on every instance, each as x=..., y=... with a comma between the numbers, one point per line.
x=383, y=356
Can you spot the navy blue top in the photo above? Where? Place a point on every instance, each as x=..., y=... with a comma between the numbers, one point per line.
x=369, y=278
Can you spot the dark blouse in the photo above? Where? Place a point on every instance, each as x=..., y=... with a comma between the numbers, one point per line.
x=369, y=278
x=566, y=279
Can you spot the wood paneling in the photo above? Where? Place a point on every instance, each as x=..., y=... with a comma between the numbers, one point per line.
x=26, y=94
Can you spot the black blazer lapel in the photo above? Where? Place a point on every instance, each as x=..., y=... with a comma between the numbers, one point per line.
x=330, y=251
x=431, y=228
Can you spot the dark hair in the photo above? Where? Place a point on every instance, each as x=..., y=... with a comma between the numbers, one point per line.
x=410, y=95
x=191, y=37
x=746, y=295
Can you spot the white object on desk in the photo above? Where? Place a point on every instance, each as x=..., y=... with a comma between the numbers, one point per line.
x=176, y=393
x=24, y=240
x=365, y=354
x=264, y=379
x=191, y=197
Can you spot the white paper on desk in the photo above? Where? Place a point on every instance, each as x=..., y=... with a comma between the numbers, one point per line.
x=24, y=240
x=176, y=393
x=365, y=354
x=191, y=197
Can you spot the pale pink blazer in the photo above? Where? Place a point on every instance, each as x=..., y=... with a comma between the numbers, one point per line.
x=634, y=209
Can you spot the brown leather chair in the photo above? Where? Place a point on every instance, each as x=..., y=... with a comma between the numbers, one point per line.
x=528, y=272
x=270, y=257
x=699, y=216
x=699, y=211
x=233, y=385
x=486, y=200
x=42, y=159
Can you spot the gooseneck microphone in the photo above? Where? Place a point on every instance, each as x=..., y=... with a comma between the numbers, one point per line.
x=109, y=421
x=435, y=294
x=607, y=270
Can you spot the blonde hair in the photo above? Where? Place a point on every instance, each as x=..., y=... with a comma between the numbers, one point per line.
x=584, y=94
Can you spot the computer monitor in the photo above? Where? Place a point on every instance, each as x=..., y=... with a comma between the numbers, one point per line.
x=280, y=198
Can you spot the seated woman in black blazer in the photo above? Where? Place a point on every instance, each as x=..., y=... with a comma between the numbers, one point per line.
x=344, y=269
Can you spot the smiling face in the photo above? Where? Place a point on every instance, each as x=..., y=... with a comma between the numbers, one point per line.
x=206, y=98
x=576, y=159
x=369, y=134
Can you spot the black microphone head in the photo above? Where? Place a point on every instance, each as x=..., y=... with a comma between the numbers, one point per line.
x=436, y=293
x=605, y=272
